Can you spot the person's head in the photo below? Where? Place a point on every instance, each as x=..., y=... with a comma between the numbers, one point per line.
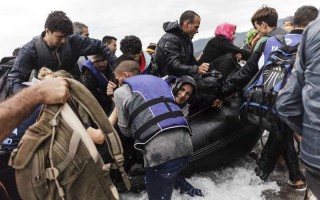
x=99, y=62
x=81, y=29
x=110, y=42
x=16, y=51
x=190, y=23
x=265, y=19
x=125, y=66
x=151, y=49
x=57, y=27
x=183, y=89
x=132, y=45
x=304, y=15
x=288, y=23
x=227, y=30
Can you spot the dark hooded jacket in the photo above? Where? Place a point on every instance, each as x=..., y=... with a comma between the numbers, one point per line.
x=174, y=52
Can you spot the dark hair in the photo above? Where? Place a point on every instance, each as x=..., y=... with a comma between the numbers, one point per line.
x=130, y=45
x=304, y=15
x=108, y=39
x=16, y=51
x=58, y=21
x=121, y=58
x=188, y=15
x=127, y=63
x=78, y=27
x=265, y=14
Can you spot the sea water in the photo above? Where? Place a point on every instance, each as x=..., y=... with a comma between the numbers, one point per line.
x=236, y=182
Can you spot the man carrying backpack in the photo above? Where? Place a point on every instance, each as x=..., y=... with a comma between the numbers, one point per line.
x=280, y=140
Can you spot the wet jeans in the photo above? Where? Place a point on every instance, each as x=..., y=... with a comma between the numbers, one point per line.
x=160, y=179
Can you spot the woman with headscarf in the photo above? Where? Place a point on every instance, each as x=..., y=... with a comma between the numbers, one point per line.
x=222, y=45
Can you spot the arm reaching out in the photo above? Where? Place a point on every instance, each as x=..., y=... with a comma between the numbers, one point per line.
x=15, y=109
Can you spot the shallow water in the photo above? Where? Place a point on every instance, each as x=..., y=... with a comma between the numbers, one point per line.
x=236, y=182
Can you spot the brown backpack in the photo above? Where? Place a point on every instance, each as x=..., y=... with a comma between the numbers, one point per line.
x=56, y=158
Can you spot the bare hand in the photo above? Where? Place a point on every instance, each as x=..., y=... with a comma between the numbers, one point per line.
x=217, y=103
x=110, y=88
x=202, y=69
x=238, y=56
x=96, y=135
x=52, y=91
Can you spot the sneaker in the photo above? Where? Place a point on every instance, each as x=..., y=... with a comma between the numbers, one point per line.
x=299, y=185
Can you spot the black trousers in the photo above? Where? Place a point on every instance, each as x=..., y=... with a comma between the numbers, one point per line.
x=280, y=142
x=7, y=175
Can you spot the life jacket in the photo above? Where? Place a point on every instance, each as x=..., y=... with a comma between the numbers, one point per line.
x=46, y=58
x=152, y=109
x=102, y=80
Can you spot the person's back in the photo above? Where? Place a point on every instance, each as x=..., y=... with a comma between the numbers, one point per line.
x=56, y=49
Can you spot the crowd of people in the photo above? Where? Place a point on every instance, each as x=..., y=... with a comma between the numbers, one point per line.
x=147, y=94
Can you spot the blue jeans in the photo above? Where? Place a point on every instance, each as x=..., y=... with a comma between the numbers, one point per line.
x=160, y=179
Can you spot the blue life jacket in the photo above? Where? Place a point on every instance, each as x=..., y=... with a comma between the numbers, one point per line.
x=152, y=108
x=102, y=80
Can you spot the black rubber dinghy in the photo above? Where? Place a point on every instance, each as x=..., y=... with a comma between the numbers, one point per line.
x=219, y=138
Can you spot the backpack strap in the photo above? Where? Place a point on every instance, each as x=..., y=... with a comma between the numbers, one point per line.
x=83, y=96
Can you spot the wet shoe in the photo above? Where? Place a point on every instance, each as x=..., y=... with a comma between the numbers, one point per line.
x=299, y=185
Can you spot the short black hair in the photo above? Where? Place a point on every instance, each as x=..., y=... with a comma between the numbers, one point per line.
x=57, y=21
x=121, y=58
x=304, y=15
x=108, y=39
x=130, y=45
x=126, y=63
x=188, y=15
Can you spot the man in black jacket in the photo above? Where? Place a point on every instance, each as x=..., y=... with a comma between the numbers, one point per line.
x=56, y=48
x=174, y=52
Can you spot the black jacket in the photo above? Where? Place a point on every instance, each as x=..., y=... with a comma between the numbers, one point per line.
x=219, y=46
x=174, y=52
x=76, y=46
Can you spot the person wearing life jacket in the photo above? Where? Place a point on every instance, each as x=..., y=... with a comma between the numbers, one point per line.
x=280, y=141
x=159, y=128
x=132, y=45
x=95, y=75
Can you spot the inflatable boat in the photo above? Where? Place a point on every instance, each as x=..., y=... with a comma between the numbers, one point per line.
x=219, y=138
